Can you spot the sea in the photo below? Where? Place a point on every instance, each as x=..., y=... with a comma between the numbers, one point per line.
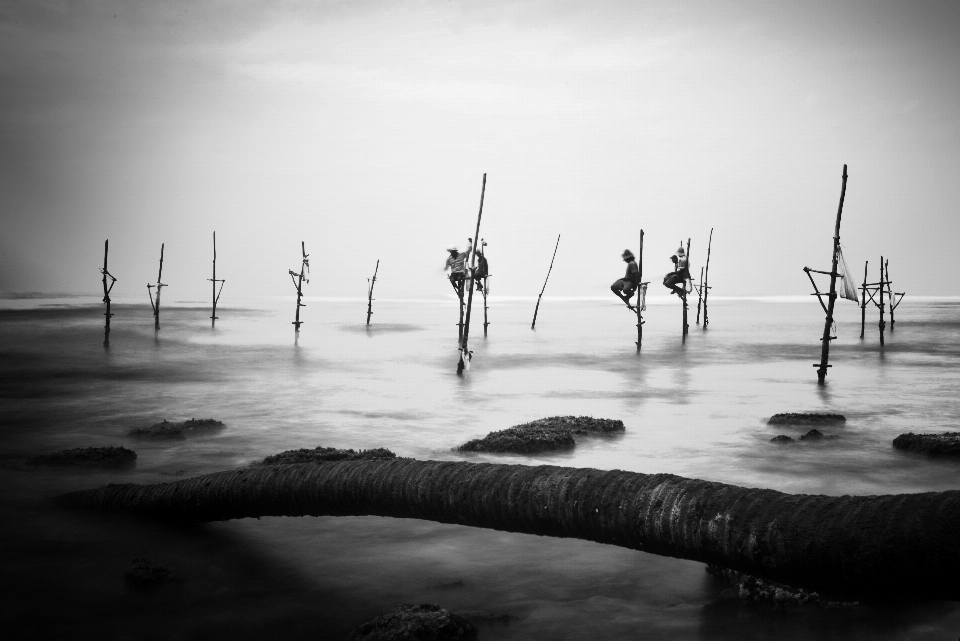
x=695, y=406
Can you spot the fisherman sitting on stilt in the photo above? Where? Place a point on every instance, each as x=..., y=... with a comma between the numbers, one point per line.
x=456, y=269
x=679, y=275
x=625, y=287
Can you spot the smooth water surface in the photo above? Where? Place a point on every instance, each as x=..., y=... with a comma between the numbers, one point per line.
x=696, y=408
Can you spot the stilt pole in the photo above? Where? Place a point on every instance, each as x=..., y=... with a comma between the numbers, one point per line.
x=298, y=281
x=106, y=293
x=465, y=337
x=832, y=296
x=890, y=293
x=705, y=284
x=159, y=285
x=373, y=281
x=640, y=294
x=683, y=290
x=536, y=310
x=213, y=282
x=486, y=323
x=700, y=296
x=883, y=284
x=863, y=302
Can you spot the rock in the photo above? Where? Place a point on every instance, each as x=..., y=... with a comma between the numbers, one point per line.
x=144, y=574
x=749, y=589
x=426, y=622
x=178, y=431
x=782, y=438
x=319, y=454
x=816, y=434
x=806, y=418
x=543, y=435
x=89, y=456
x=946, y=444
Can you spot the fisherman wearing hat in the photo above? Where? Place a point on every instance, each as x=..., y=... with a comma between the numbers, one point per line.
x=679, y=275
x=456, y=266
x=625, y=287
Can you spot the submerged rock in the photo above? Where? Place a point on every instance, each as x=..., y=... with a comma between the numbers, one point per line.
x=167, y=430
x=89, y=456
x=749, y=589
x=319, y=454
x=815, y=434
x=543, y=435
x=806, y=418
x=946, y=444
x=144, y=574
x=782, y=438
x=426, y=622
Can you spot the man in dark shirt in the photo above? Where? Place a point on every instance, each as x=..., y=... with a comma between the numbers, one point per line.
x=626, y=286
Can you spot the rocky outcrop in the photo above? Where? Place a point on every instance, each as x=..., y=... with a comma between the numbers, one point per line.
x=543, y=435
x=144, y=575
x=178, y=431
x=806, y=418
x=946, y=444
x=750, y=589
x=89, y=456
x=782, y=438
x=320, y=454
x=426, y=622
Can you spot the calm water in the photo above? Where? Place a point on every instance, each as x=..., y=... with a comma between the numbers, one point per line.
x=696, y=409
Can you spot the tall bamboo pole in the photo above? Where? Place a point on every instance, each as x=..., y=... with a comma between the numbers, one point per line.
x=700, y=295
x=159, y=285
x=373, y=281
x=890, y=293
x=106, y=293
x=883, y=284
x=533, y=325
x=863, y=302
x=639, y=294
x=464, y=345
x=832, y=296
x=706, y=284
x=213, y=282
x=298, y=283
x=683, y=291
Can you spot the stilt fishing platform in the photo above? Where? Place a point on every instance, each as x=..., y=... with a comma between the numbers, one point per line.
x=874, y=293
x=106, y=293
x=216, y=293
x=156, y=304
x=372, y=282
x=298, y=282
x=464, y=346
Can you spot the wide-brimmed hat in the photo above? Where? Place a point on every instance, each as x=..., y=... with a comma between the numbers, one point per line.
x=627, y=252
x=680, y=252
x=453, y=249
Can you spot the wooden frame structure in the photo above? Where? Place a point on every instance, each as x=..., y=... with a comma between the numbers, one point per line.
x=213, y=281
x=298, y=281
x=832, y=294
x=106, y=293
x=873, y=292
x=372, y=281
x=159, y=285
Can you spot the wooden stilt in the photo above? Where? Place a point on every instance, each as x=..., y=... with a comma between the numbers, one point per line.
x=298, y=281
x=683, y=293
x=213, y=282
x=536, y=310
x=890, y=293
x=106, y=293
x=699, y=295
x=705, y=283
x=372, y=281
x=832, y=296
x=882, y=285
x=465, y=354
x=156, y=304
x=640, y=294
x=863, y=302
x=486, y=323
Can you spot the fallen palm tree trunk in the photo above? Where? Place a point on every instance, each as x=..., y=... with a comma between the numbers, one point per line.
x=851, y=545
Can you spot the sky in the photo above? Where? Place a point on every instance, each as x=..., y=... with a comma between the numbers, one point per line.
x=364, y=129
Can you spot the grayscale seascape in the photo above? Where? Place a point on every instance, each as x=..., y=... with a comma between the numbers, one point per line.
x=697, y=410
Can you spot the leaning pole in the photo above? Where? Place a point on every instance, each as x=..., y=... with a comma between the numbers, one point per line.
x=873, y=546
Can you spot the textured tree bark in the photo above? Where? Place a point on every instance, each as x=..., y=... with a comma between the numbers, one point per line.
x=851, y=545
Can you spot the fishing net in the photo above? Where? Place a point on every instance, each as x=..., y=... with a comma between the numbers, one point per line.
x=642, y=291
x=846, y=287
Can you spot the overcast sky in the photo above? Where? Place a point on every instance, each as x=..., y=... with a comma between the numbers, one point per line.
x=364, y=129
